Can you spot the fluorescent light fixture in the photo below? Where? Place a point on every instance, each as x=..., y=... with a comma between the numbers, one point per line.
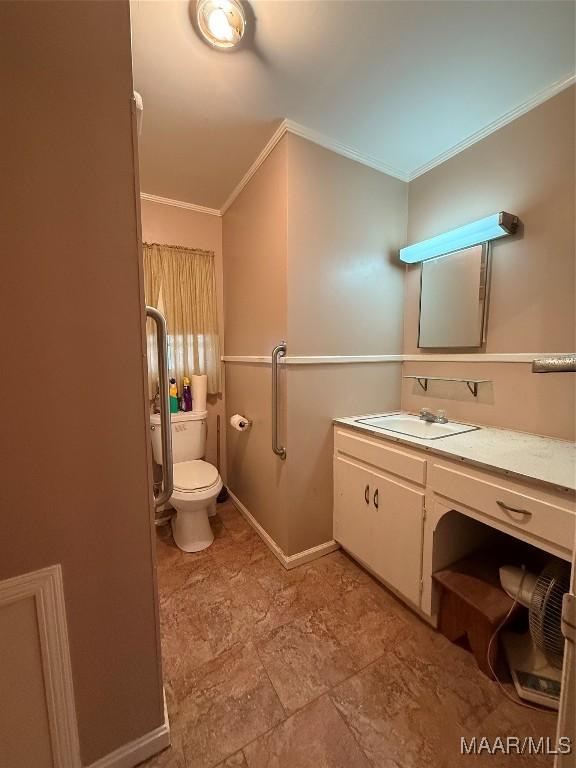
x=481, y=231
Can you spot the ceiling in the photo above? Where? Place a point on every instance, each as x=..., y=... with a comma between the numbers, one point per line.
x=400, y=83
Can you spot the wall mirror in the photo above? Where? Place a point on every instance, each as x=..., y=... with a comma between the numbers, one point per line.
x=453, y=298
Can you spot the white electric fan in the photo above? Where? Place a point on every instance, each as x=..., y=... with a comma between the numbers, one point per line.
x=535, y=657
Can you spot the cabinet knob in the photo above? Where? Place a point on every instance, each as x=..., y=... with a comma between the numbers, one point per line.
x=376, y=498
x=367, y=494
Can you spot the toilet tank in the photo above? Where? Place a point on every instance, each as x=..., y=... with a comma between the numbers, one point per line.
x=188, y=436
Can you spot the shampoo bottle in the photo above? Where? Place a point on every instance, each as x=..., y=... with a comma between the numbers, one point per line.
x=173, y=396
x=186, y=395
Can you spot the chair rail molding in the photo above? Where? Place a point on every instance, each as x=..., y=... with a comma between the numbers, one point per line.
x=440, y=357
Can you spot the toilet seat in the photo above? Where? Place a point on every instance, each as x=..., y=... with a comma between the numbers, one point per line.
x=194, y=476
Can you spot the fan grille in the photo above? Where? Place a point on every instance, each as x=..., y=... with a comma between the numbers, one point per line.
x=546, y=611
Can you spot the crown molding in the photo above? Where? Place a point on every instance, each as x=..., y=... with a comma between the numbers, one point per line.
x=268, y=147
x=508, y=117
x=345, y=151
x=180, y=204
x=290, y=126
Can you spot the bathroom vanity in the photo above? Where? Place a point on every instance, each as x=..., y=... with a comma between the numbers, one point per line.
x=406, y=506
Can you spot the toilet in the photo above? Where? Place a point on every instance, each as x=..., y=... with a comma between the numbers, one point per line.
x=196, y=482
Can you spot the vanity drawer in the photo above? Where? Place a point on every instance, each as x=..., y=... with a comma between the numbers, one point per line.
x=522, y=510
x=381, y=455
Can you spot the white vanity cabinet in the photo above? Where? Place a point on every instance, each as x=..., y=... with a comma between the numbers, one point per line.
x=391, y=502
x=378, y=518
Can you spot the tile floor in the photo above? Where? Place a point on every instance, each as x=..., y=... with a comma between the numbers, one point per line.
x=318, y=667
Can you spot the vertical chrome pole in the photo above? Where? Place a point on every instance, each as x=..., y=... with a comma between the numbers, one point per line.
x=165, y=424
x=277, y=352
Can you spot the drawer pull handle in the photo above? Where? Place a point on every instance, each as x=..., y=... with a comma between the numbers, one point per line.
x=514, y=510
x=367, y=494
x=376, y=498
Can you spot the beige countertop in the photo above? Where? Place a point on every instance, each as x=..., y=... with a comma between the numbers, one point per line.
x=519, y=454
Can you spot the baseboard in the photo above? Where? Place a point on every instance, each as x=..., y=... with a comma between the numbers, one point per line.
x=288, y=561
x=307, y=555
x=140, y=749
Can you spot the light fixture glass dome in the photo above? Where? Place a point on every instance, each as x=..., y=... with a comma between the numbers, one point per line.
x=221, y=22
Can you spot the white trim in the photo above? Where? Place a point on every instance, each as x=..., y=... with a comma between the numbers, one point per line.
x=337, y=359
x=307, y=555
x=313, y=359
x=289, y=126
x=180, y=204
x=268, y=147
x=342, y=149
x=288, y=561
x=140, y=749
x=480, y=357
x=46, y=587
x=261, y=359
x=494, y=126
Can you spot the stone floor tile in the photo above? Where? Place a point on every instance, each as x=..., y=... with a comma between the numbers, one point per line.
x=171, y=757
x=236, y=761
x=510, y=719
x=394, y=720
x=224, y=705
x=315, y=737
x=234, y=522
x=185, y=641
x=341, y=572
x=449, y=674
x=304, y=659
x=364, y=624
x=405, y=693
x=236, y=616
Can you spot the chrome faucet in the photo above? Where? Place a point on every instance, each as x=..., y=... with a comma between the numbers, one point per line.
x=435, y=418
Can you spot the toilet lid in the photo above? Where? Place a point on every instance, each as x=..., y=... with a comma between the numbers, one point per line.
x=194, y=475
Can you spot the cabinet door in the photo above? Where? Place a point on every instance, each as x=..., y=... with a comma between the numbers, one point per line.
x=397, y=536
x=354, y=517
x=380, y=521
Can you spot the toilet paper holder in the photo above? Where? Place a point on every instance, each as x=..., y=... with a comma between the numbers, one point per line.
x=240, y=422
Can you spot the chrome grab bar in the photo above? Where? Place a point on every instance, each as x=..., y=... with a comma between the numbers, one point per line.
x=278, y=351
x=165, y=424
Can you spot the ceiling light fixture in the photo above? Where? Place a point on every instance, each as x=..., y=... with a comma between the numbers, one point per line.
x=221, y=22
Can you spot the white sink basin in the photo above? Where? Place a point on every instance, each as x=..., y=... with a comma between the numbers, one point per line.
x=406, y=424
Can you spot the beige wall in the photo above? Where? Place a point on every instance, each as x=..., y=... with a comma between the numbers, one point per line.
x=180, y=226
x=255, y=260
x=526, y=168
x=255, y=475
x=346, y=223
x=308, y=256
x=255, y=252
x=345, y=297
x=24, y=726
x=316, y=395
x=75, y=485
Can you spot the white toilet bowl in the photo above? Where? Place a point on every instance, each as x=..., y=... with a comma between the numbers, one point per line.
x=196, y=487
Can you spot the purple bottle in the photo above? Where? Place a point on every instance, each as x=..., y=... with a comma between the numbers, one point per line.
x=186, y=402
